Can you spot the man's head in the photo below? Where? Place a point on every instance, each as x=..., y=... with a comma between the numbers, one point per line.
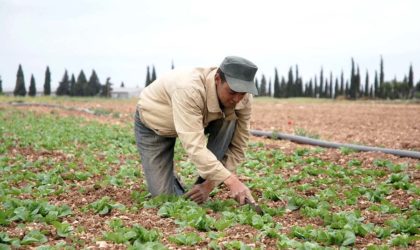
x=239, y=75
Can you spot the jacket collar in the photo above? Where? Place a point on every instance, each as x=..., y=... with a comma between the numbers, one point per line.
x=212, y=99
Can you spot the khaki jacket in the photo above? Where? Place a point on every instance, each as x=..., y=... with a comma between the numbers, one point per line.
x=182, y=103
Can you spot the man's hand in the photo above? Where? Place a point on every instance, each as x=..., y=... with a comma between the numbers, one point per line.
x=200, y=192
x=238, y=190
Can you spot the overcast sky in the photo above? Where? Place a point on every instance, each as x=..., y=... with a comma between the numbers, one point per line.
x=120, y=38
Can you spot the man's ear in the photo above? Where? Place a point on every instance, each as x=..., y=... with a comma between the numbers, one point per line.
x=217, y=78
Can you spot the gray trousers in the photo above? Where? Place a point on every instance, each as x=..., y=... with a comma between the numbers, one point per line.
x=157, y=153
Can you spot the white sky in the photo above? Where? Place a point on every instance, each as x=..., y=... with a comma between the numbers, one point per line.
x=120, y=38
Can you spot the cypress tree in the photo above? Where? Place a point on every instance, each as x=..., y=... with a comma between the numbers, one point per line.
x=327, y=87
x=283, y=87
x=20, y=89
x=352, y=90
x=276, y=84
x=72, y=85
x=331, y=85
x=376, y=85
x=331, y=94
x=410, y=77
x=393, y=89
x=106, y=89
x=289, y=86
x=299, y=87
x=93, y=86
x=81, y=85
x=298, y=84
x=321, y=83
x=1, y=87
x=336, y=89
x=316, y=87
x=47, y=82
x=330, y=89
x=148, y=80
x=63, y=86
x=367, y=84
x=404, y=89
x=411, y=81
x=381, y=73
x=32, y=87
x=153, y=74
x=305, y=93
x=263, y=86
x=357, y=87
x=172, y=64
x=342, y=83
x=310, y=89
x=269, y=87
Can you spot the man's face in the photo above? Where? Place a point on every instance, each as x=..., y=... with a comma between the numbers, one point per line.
x=227, y=97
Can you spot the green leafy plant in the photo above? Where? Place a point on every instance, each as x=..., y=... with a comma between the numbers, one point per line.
x=130, y=235
x=399, y=181
x=150, y=245
x=404, y=240
x=409, y=226
x=64, y=229
x=187, y=239
x=31, y=210
x=5, y=240
x=328, y=237
x=104, y=206
x=236, y=244
x=34, y=237
x=220, y=205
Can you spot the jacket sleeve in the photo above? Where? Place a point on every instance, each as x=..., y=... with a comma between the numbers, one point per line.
x=187, y=106
x=235, y=154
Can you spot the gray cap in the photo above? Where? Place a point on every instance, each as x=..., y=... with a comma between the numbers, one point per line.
x=240, y=73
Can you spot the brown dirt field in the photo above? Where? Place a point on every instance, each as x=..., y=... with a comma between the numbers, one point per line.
x=381, y=124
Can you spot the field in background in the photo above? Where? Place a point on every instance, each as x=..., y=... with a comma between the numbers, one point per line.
x=72, y=179
x=391, y=124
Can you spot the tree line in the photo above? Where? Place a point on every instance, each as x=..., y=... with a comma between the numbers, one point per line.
x=150, y=76
x=330, y=87
x=69, y=86
x=322, y=86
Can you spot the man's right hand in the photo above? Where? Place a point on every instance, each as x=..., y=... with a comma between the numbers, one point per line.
x=200, y=192
x=238, y=190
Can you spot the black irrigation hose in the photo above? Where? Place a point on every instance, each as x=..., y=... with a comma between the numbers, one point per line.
x=310, y=141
